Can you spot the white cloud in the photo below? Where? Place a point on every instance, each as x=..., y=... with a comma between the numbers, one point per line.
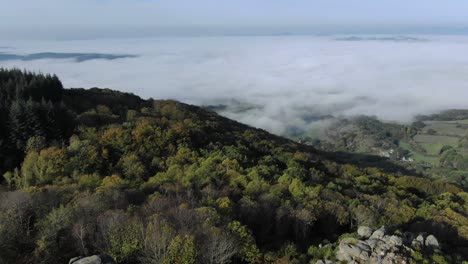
x=289, y=76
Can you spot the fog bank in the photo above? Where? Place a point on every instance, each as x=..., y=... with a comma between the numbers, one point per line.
x=286, y=81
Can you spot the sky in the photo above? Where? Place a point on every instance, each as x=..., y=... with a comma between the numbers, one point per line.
x=140, y=18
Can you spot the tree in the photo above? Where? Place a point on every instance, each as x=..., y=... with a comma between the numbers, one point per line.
x=54, y=234
x=132, y=167
x=120, y=235
x=156, y=239
x=248, y=251
x=80, y=232
x=36, y=143
x=50, y=165
x=182, y=250
x=16, y=222
x=85, y=155
x=43, y=168
x=219, y=248
x=29, y=170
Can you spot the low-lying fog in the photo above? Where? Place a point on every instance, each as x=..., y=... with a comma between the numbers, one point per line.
x=276, y=83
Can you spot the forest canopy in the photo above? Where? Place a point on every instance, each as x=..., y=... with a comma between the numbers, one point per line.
x=158, y=181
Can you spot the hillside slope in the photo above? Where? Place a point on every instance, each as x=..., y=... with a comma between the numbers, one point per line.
x=435, y=146
x=151, y=181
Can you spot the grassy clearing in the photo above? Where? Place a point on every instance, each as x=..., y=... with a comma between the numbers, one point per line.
x=432, y=144
x=432, y=149
x=417, y=156
x=462, y=122
x=447, y=133
x=451, y=128
x=436, y=139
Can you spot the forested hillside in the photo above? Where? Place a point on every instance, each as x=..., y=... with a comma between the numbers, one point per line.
x=149, y=181
x=436, y=145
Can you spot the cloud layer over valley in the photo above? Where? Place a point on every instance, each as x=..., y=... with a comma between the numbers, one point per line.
x=281, y=82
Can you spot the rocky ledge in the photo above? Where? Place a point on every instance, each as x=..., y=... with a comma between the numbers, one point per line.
x=96, y=259
x=381, y=247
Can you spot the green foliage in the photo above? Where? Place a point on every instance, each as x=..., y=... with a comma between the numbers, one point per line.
x=43, y=168
x=132, y=167
x=32, y=112
x=249, y=251
x=123, y=241
x=438, y=259
x=53, y=235
x=452, y=159
x=156, y=240
x=425, y=185
x=89, y=181
x=160, y=181
x=182, y=250
x=321, y=252
x=113, y=182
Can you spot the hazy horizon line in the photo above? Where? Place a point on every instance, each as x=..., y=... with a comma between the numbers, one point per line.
x=314, y=30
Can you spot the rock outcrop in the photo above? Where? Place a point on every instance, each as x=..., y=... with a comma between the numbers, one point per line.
x=431, y=242
x=382, y=247
x=364, y=231
x=324, y=262
x=379, y=233
x=351, y=249
x=96, y=259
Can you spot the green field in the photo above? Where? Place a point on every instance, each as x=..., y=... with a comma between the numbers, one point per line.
x=434, y=137
x=462, y=122
x=450, y=128
x=434, y=143
x=418, y=156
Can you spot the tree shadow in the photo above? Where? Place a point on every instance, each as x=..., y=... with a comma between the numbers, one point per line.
x=447, y=235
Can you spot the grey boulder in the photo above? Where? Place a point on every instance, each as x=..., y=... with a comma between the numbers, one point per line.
x=395, y=241
x=364, y=231
x=354, y=249
x=324, y=262
x=379, y=233
x=420, y=238
x=431, y=242
x=96, y=259
x=416, y=245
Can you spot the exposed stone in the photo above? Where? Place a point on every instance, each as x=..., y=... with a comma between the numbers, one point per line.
x=73, y=260
x=384, y=247
x=416, y=245
x=379, y=233
x=396, y=241
x=374, y=242
x=420, y=238
x=364, y=231
x=320, y=261
x=96, y=259
x=386, y=238
x=343, y=257
x=431, y=242
x=354, y=249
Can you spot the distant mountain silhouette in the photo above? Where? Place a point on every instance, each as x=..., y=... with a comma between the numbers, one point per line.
x=78, y=57
x=391, y=38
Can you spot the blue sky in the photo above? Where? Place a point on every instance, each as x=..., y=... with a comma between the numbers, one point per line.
x=125, y=17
